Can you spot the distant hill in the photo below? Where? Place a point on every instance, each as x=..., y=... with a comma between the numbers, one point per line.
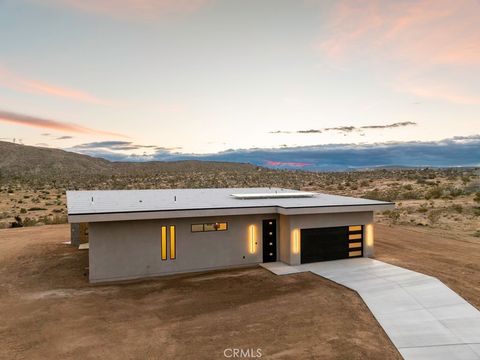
x=23, y=160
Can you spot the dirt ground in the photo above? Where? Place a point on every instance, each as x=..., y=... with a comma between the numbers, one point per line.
x=49, y=311
x=452, y=257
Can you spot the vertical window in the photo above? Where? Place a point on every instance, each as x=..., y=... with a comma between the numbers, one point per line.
x=164, y=243
x=172, y=242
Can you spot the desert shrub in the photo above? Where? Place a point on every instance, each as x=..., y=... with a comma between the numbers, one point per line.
x=393, y=215
x=408, y=187
x=51, y=220
x=434, y=216
x=385, y=195
x=4, y=215
x=457, y=207
x=36, y=209
x=476, y=233
x=23, y=211
x=409, y=195
x=29, y=221
x=434, y=193
x=57, y=210
x=18, y=222
x=476, y=198
x=422, y=209
x=454, y=192
x=476, y=211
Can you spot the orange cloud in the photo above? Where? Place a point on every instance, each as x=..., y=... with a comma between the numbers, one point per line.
x=13, y=81
x=136, y=9
x=424, y=32
x=33, y=121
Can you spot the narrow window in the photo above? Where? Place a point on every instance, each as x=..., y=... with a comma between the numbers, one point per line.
x=222, y=226
x=164, y=243
x=218, y=226
x=172, y=242
x=197, y=227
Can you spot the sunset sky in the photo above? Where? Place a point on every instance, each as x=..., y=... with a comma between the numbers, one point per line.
x=202, y=76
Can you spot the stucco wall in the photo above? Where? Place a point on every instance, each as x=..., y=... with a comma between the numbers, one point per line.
x=132, y=249
x=289, y=223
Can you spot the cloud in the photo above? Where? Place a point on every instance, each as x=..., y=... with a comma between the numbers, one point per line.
x=440, y=92
x=348, y=129
x=115, y=146
x=131, y=9
x=9, y=79
x=341, y=128
x=390, y=126
x=311, y=131
x=286, y=163
x=65, y=137
x=424, y=32
x=452, y=152
x=33, y=121
x=424, y=38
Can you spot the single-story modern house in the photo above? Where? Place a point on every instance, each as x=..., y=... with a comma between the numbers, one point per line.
x=141, y=233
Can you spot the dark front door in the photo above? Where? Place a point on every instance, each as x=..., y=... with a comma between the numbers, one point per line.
x=269, y=240
x=323, y=244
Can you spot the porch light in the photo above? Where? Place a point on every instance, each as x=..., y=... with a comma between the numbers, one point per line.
x=296, y=241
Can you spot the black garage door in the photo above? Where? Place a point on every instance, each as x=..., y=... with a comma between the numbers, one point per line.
x=321, y=244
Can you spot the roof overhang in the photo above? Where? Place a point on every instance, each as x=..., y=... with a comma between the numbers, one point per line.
x=192, y=213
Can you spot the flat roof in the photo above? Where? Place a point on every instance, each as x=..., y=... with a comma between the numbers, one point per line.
x=103, y=205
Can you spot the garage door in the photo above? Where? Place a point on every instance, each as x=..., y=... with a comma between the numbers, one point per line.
x=322, y=244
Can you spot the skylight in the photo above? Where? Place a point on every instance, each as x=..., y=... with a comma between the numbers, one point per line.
x=275, y=195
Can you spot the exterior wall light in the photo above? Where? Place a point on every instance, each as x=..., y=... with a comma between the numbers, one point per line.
x=252, y=248
x=296, y=241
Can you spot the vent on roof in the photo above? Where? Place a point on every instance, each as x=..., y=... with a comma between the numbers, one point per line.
x=276, y=195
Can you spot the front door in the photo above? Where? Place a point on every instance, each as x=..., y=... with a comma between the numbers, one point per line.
x=269, y=240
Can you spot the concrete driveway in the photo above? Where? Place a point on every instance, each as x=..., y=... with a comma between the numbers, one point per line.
x=423, y=317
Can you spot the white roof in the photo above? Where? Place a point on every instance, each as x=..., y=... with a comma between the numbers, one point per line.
x=114, y=205
x=275, y=195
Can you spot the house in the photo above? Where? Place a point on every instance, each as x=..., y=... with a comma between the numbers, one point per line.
x=141, y=233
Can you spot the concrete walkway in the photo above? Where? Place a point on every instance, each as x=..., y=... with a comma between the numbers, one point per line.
x=422, y=316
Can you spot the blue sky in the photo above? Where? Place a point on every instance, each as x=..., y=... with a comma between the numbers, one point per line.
x=204, y=76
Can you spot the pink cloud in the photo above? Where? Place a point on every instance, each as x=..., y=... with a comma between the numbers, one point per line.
x=33, y=121
x=132, y=9
x=441, y=92
x=433, y=43
x=424, y=32
x=16, y=82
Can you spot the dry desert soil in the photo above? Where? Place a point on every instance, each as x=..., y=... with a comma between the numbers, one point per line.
x=50, y=311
